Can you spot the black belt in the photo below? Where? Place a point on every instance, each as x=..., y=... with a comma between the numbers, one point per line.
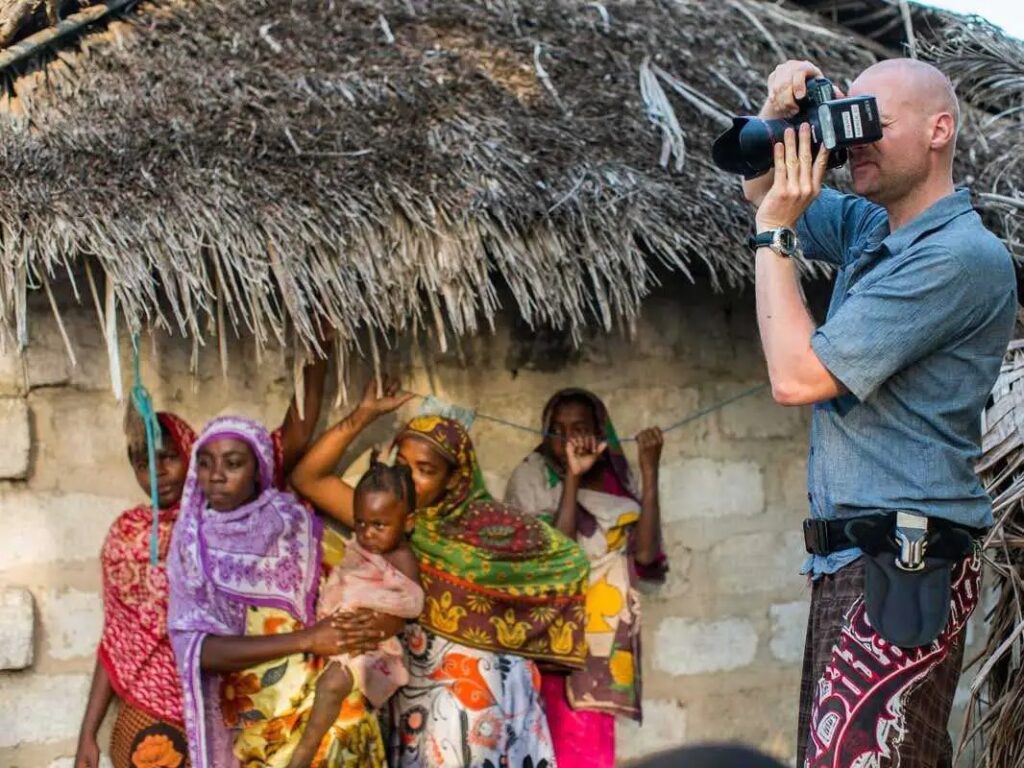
x=823, y=537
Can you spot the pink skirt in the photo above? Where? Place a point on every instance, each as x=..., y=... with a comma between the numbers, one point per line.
x=582, y=739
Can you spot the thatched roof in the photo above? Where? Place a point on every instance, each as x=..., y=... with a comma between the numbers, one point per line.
x=895, y=25
x=392, y=163
x=992, y=733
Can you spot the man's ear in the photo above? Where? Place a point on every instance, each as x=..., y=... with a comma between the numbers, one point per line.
x=943, y=130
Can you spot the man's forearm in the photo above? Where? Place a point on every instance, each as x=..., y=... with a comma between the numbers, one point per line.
x=785, y=324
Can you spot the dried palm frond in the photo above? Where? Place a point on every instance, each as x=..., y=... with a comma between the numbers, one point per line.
x=987, y=66
x=992, y=733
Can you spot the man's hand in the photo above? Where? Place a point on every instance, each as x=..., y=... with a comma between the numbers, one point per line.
x=787, y=84
x=797, y=181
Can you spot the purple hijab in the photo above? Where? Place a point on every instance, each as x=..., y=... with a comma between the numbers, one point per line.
x=265, y=554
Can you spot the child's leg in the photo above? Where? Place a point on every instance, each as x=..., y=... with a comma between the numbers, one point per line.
x=333, y=687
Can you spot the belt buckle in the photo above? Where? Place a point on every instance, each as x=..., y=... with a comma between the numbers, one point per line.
x=816, y=539
x=912, y=536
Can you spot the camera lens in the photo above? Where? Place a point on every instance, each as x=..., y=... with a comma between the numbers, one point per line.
x=746, y=148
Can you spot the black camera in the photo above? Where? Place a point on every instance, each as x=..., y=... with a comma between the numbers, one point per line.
x=836, y=124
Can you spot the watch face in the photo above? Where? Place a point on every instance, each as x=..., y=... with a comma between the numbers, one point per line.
x=787, y=240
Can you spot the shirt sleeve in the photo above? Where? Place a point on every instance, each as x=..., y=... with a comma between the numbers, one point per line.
x=835, y=222
x=897, y=319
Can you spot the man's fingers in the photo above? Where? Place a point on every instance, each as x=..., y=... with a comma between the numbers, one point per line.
x=820, y=169
x=780, y=164
x=792, y=162
x=806, y=162
x=799, y=84
x=785, y=98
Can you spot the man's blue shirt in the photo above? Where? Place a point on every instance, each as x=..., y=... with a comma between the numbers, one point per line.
x=916, y=331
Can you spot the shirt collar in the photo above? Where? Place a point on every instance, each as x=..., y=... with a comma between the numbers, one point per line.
x=940, y=213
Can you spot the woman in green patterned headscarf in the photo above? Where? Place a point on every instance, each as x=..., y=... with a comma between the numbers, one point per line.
x=503, y=589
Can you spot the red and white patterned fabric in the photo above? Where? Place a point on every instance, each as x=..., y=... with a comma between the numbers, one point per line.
x=135, y=650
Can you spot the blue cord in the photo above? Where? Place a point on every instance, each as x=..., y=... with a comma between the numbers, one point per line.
x=144, y=405
x=457, y=412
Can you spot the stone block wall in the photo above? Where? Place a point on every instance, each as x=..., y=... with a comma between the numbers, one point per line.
x=723, y=637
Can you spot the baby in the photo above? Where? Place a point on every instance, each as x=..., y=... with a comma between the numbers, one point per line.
x=379, y=571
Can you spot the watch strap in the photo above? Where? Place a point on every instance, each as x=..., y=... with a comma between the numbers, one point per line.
x=762, y=239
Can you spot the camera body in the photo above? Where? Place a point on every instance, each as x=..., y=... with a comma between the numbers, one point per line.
x=836, y=124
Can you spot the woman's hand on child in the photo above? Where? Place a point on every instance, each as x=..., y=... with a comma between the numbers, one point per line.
x=351, y=633
x=581, y=453
x=390, y=397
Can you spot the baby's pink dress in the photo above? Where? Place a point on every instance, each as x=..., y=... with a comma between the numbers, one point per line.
x=366, y=580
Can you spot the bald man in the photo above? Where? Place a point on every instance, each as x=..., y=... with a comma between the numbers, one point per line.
x=921, y=313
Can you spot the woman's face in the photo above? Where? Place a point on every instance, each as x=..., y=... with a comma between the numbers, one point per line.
x=171, y=470
x=431, y=472
x=570, y=419
x=227, y=473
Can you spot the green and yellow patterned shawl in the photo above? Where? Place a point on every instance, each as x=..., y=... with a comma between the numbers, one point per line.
x=495, y=579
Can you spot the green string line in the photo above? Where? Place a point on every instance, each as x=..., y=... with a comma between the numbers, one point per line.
x=698, y=414
x=144, y=405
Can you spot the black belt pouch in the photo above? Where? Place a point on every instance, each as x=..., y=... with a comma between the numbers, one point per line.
x=907, y=608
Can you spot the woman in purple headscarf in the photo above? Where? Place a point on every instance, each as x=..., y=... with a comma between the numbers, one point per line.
x=244, y=570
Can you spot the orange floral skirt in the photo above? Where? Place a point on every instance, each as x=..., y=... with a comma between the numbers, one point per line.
x=142, y=741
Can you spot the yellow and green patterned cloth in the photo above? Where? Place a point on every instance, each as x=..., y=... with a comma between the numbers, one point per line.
x=495, y=579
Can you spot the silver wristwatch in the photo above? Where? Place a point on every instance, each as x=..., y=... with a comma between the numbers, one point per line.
x=783, y=241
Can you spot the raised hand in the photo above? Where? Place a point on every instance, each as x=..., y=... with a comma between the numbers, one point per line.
x=797, y=181
x=649, y=444
x=391, y=397
x=581, y=453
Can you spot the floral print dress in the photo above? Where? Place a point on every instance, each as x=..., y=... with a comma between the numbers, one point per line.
x=468, y=708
